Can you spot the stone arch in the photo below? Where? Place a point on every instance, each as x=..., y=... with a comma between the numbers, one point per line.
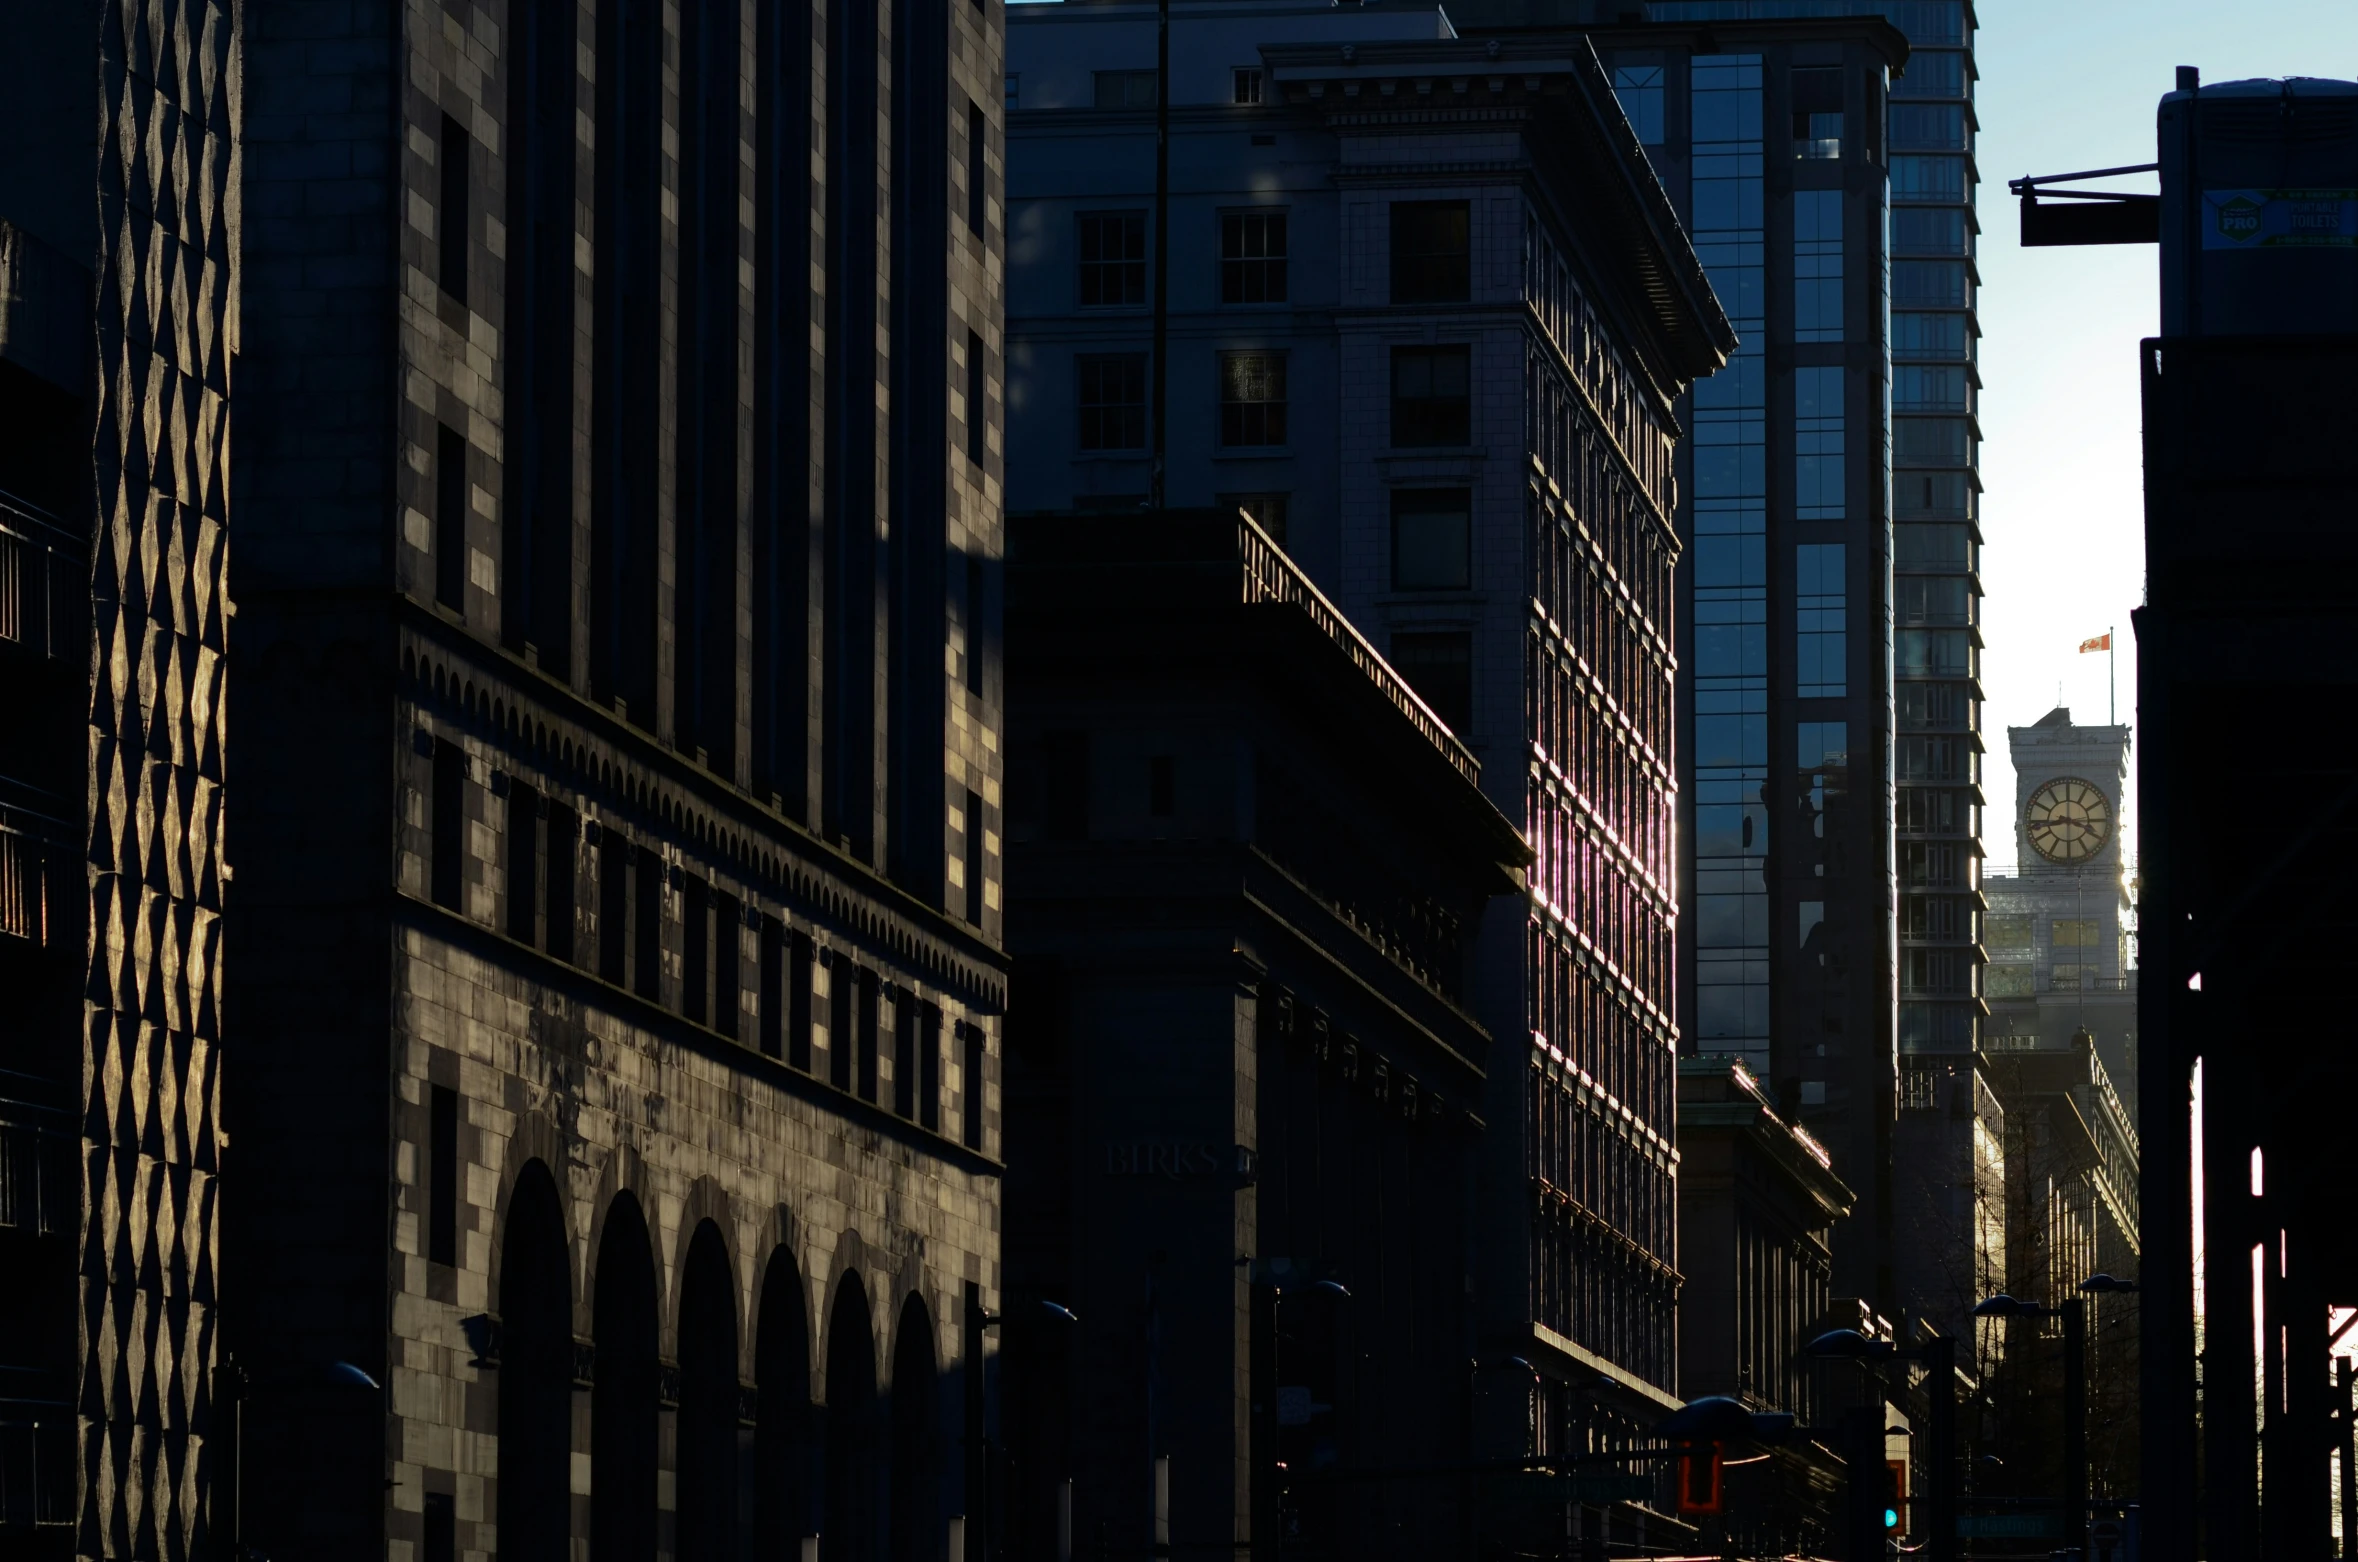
x=535, y=1380
x=536, y=1138
x=915, y=1507
x=706, y=1201
x=707, y=1424
x=624, y=1388
x=853, y=1491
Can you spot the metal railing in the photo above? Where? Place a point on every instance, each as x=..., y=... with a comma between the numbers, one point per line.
x=1270, y=576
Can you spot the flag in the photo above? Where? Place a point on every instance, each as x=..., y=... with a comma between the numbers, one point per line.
x=2102, y=642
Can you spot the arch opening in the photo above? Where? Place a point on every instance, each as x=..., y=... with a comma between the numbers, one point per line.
x=535, y=1381
x=916, y=1444
x=623, y=1442
x=848, y=1522
x=782, y=1451
x=707, y=1441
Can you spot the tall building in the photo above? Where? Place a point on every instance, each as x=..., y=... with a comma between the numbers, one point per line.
x=589, y=926
x=1246, y=877
x=1822, y=161
x=1428, y=318
x=117, y=335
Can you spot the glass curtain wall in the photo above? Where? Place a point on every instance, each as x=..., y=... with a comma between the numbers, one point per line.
x=1730, y=675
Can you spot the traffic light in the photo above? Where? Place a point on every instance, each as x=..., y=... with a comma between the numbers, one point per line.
x=1895, y=1493
x=1699, y=1489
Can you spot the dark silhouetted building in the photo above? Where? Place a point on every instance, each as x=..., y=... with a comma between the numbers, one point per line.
x=117, y=335
x=1247, y=878
x=1454, y=380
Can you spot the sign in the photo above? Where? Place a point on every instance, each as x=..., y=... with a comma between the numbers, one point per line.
x=2280, y=219
x=1178, y=1160
x=2009, y=1526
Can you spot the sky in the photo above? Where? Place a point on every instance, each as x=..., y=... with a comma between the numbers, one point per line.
x=2066, y=87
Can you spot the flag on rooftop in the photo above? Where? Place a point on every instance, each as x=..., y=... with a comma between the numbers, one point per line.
x=2102, y=642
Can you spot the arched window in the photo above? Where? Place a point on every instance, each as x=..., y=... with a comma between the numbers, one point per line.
x=848, y=1523
x=623, y=1445
x=707, y=1450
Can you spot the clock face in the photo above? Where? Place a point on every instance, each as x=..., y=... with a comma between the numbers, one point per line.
x=2068, y=820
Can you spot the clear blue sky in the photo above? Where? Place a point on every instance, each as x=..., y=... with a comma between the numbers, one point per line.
x=2066, y=87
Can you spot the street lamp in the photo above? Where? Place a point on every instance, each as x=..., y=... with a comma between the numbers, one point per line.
x=1938, y=1356
x=243, y=1386
x=2074, y=1314
x=2103, y=1284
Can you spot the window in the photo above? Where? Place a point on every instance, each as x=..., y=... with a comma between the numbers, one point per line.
x=870, y=1021
x=1268, y=511
x=2065, y=977
x=442, y=1175
x=1125, y=89
x=905, y=1024
x=647, y=926
x=802, y=964
x=1817, y=430
x=978, y=173
x=613, y=905
x=843, y=986
x=1440, y=668
x=1927, y=336
x=972, y=867
x=1932, y=494
x=1819, y=637
x=2007, y=981
x=771, y=1035
x=1252, y=258
x=1923, y=387
x=1639, y=87
x=1431, y=535
x=1162, y=786
x=1431, y=257
x=1929, y=707
x=440, y=1527
x=1247, y=84
x=1934, y=759
x=977, y=425
x=2076, y=933
x=1822, y=746
x=1933, y=127
x=1928, y=179
x=1113, y=259
x=1931, y=441
x=1930, y=284
x=1063, y=786
x=929, y=1068
x=1929, y=865
x=450, y=518
x=695, y=950
x=447, y=823
x=1931, y=76
x=564, y=828
x=455, y=156
x=1928, y=230
x=1934, y=547
x=971, y=1068
x=1933, y=653
x=1013, y=87
x=1252, y=399
x=1113, y=401
x=1935, y=813
x=1817, y=265
x=1432, y=401
x=1817, y=112
x=523, y=844
x=2006, y=932
x=1933, y=599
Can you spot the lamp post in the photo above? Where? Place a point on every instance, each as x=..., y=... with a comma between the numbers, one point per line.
x=2074, y=1314
x=1469, y=1509
x=1939, y=1359
x=243, y=1386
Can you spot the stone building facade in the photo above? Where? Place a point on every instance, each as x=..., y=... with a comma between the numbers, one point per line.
x=598, y=1048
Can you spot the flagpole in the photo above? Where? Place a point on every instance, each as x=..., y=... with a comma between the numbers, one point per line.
x=2112, y=714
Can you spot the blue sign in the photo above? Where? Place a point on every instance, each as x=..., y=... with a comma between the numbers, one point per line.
x=2280, y=219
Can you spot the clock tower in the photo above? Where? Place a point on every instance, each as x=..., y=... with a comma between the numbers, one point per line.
x=2059, y=931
